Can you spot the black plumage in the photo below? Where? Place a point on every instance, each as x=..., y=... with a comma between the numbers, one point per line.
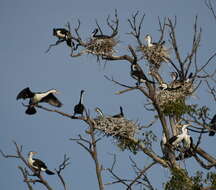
x=25, y=93
x=37, y=97
x=121, y=114
x=79, y=108
x=99, y=36
x=212, y=125
x=138, y=74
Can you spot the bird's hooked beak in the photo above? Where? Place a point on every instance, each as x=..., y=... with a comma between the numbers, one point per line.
x=34, y=153
x=57, y=92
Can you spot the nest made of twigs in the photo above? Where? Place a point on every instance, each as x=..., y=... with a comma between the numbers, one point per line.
x=119, y=128
x=155, y=55
x=116, y=127
x=102, y=46
x=173, y=101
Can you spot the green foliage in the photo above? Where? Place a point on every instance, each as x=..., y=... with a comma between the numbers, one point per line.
x=149, y=138
x=177, y=108
x=181, y=181
x=211, y=179
x=124, y=144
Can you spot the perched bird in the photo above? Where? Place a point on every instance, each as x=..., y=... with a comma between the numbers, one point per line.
x=176, y=140
x=99, y=36
x=165, y=86
x=138, y=74
x=37, y=164
x=98, y=110
x=149, y=42
x=212, y=125
x=79, y=108
x=61, y=33
x=37, y=97
x=121, y=114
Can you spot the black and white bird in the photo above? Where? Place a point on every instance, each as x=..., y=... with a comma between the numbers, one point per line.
x=99, y=36
x=212, y=125
x=138, y=74
x=37, y=164
x=149, y=42
x=37, y=97
x=100, y=113
x=63, y=35
x=165, y=86
x=120, y=115
x=183, y=137
x=79, y=108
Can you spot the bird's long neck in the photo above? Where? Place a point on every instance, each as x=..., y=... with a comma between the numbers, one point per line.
x=100, y=112
x=30, y=158
x=149, y=42
x=121, y=111
x=95, y=32
x=81, y=98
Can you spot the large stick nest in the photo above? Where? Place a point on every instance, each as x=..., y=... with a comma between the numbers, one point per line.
x=102, y=47
x=155, y=55
x=116, y=127
x=180, y=90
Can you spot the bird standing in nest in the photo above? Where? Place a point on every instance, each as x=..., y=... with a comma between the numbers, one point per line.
x=120, y=115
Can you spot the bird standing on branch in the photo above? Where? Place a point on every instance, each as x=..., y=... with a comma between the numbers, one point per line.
x=37, y=164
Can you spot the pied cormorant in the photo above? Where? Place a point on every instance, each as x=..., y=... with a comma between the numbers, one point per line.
x=37, y=164
x=37, y=97
x=138, y=74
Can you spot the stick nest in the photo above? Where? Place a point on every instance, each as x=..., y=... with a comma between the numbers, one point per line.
x=155, y=55
x=116, y=127
x=173, y=101
x=102, y=47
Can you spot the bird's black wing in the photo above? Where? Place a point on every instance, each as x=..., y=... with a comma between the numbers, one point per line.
x=52, y=100
x=172, y=139
x=25, y=93
x=39, y=164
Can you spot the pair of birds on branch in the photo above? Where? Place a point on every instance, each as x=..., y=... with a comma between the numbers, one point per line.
x=119, y=115
x=47, y=97
x=183, y=138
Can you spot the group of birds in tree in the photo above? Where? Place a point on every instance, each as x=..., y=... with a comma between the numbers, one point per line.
x=136, y=73
x=185, y=140
x=101, y=114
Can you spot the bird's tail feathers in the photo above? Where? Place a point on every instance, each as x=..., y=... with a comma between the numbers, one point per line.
x=31, y=110
x=49, y=172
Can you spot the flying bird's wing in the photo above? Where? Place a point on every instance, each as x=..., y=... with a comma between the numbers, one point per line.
x=52, y=100
x=25, y=93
